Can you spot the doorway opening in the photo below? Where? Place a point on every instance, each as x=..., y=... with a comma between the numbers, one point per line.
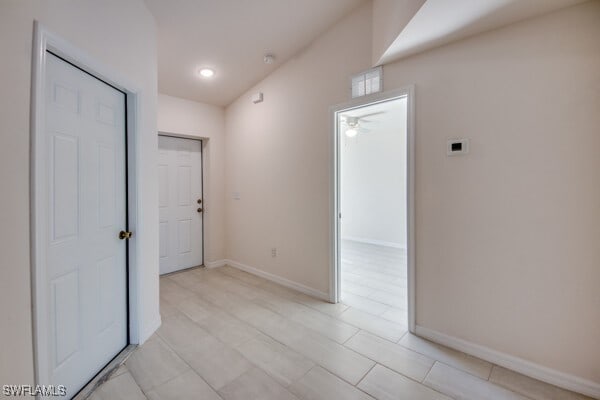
x=373, y=254
x=181, y=203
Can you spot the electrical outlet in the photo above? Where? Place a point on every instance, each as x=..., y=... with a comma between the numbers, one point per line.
x=274, y=252
x=457, y=147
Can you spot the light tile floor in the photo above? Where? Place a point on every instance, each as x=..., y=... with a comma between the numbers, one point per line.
x=229, y=335
x=374, y=282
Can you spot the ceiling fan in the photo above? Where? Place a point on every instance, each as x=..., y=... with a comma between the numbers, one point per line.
x=355, y=124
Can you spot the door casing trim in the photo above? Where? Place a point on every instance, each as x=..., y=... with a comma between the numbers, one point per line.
x=335, y=265
x=203, y=141
x=45, y=41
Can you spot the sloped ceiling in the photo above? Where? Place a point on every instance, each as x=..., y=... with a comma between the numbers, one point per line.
x=232, y=36
x=438, y=22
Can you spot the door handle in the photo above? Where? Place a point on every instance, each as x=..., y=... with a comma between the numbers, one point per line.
x=199, y=210
x=125, y=235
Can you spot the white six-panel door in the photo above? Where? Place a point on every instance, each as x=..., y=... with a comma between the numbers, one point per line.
x=85, y=197
x=180, y=203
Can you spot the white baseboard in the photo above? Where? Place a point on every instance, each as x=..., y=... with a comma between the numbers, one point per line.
x=375, y=241
x=215, y=264
x=152, y=327
x=278, y=279
x=528, y=368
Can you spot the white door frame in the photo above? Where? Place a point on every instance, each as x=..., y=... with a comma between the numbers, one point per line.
x=202, y=141
x=335, y=264
x=44, y=40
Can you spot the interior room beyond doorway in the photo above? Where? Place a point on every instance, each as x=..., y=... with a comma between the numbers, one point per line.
x=373, y=205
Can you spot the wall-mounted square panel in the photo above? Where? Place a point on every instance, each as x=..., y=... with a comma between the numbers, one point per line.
x=457, y=147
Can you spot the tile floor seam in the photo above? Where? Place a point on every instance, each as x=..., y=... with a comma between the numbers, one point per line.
x=266, y=334
x=372, y=287
x=343, y=311
x=507, y=387
x=402, y=337
x=189, y=365
x=366, y=373
x=230, y=314
x=275, y=295
x=336, y=375
x=338, y=319
x=490, y=374
x=303, y=325
x=306, y=373
x=380, y=301
x=283, y=344
x=442, y=362
x=231, y=306
x=481, y=379
x=421, y=383
x=164, y=342
x=372, y=333
x=428, y=371
x=315, y=364
x=312, y=331
x=169, y=380
x=432, y=388
x=399, y=372
x=350, y=338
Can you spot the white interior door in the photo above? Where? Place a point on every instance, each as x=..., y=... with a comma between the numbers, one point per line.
x=85, y=197
x=180, y=203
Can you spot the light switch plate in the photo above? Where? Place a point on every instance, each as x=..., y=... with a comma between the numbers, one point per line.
x=257, y=97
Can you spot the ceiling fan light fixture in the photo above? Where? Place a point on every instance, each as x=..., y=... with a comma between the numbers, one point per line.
x=351, y=132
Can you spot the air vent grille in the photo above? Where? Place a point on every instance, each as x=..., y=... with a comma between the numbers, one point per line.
x=367, y=82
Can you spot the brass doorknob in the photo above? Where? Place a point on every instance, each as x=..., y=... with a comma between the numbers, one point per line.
x=125, y=235
x=199, y=210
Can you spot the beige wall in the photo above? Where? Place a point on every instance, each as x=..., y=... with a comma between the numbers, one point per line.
x=121, y=35
x=507, y=237
x=507, y=252
x=374, y=210
x=278, y=156
x=190, y=118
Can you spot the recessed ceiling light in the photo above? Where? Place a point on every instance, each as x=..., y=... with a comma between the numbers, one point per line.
x=206, y=72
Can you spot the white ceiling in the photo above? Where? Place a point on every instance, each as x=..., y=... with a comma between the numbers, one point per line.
x=232, y=36
x=438, y=22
